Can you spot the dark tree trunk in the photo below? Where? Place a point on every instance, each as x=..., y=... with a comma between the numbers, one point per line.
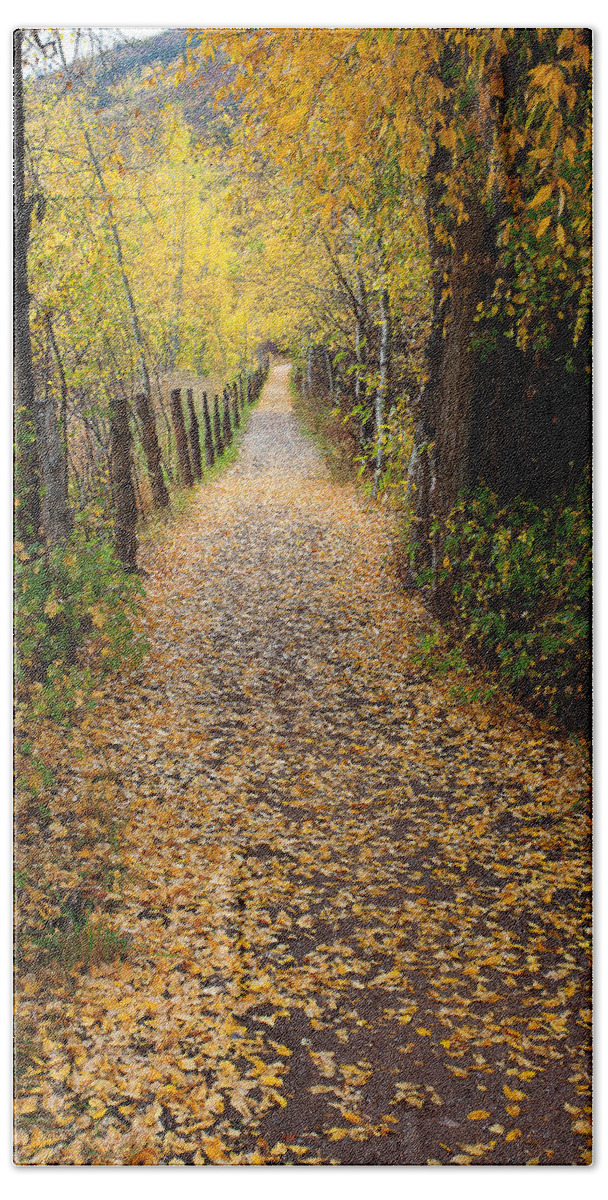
x=151, y=447
x=217, y=426
x=226, y=426
x=445, y=450
x=28, y=516
x=452, y=419
x=181, y=440
x=443, y=436
x=123, y=491
x=194, y=438
x=241, y=395
x=209, y=451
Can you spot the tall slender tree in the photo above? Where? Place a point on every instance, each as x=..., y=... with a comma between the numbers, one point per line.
x=29, y=512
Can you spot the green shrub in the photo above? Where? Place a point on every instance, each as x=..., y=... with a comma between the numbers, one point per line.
x=520, y=579
x=73, y=621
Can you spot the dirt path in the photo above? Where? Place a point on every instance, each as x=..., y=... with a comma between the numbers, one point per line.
x=356, y=912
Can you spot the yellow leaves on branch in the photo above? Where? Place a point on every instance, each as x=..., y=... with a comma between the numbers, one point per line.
x=549, y=78
x=315, y=110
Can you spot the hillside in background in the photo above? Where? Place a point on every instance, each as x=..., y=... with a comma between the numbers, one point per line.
x=150, y=65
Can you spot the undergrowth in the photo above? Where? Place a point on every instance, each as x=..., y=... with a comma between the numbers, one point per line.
x=519, y=576
x=74, y=610
x=442, y=655
x=335, y=438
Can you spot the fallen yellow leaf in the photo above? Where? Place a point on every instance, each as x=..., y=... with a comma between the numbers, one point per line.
x=582, y=1126
x=280, y=1048
x=214, y=1148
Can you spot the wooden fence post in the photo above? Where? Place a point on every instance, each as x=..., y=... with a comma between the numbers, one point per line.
x=194, y=438
x=151, y=447
x=209, y=451
x=217, y=426
x=121, y=474
x=226, y=426
x=181, y=440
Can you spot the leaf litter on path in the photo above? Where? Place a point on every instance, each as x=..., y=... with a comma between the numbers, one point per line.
x=357, y=917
